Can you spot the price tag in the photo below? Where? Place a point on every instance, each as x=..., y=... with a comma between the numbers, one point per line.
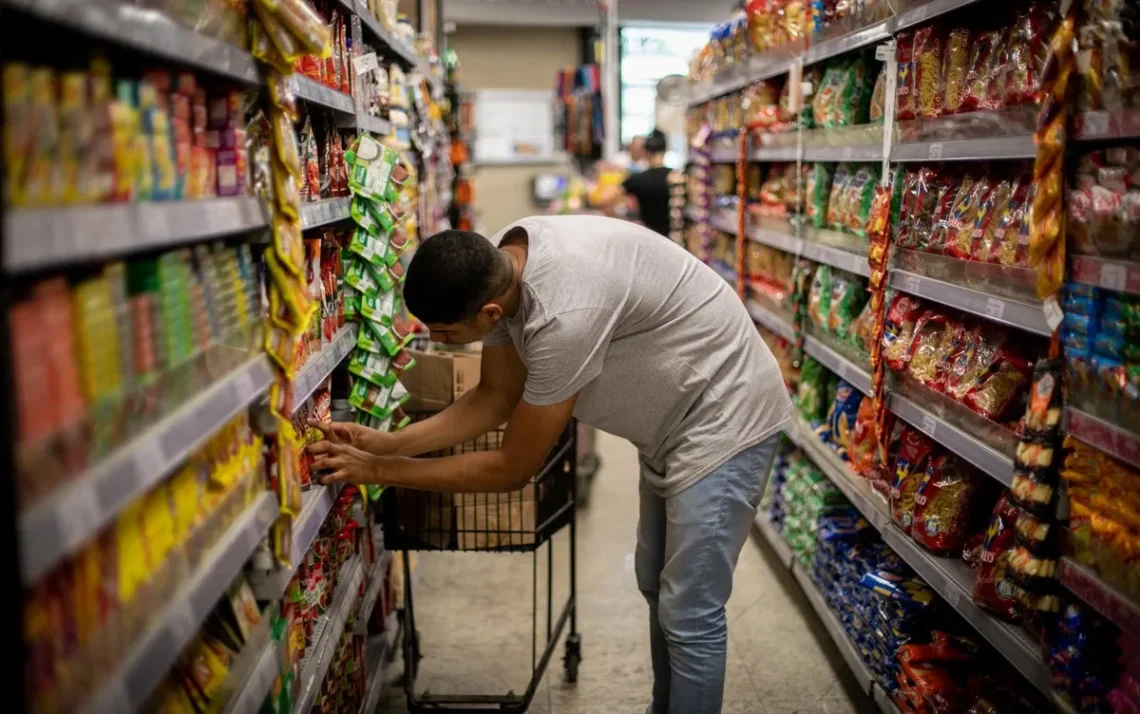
x=1113, y=276
x=1053, y=312
x=365, y=63
x=910, y=285
x=80, y=517
x=182, y=624
x=842, y=371
x=951, y=597
x=885, y=52
x=995, y=308
x=929, y=425
x=934, y=152
x=807, y=88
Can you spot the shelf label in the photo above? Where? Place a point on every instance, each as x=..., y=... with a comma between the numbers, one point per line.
x=1053, y=312
x=929, y=425
x=182, y=624
x=365, y=63
x=951, y=597
x=81, y=516
x=1113, y=276
x=934, y=151
x=995, y=308
x=147, y=458
x=910, y=284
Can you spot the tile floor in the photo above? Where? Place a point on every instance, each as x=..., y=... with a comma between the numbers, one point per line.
x=474, y=616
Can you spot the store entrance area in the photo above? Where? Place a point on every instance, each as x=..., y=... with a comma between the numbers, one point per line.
x=473, y=612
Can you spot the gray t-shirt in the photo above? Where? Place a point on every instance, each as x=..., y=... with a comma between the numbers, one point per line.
x=658, y=347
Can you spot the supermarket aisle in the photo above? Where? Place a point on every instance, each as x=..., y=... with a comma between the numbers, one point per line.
x=474, y=619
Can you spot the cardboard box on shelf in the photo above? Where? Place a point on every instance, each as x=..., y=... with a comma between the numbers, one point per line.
x=495, y=525
x=439, y=378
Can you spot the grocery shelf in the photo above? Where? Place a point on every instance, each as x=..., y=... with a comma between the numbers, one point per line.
x=317, y=93
x=774, y=153
x=770, y=320
x=1113, y=440
x=815, y=598
x=774, y=539
x=313, y=374
x=725, y=220
x=38, y=238
x=1124, y=124
x=386, y=39
x=1119, y=275
x=837, y=258
x=326, y=635
x=861, y=37
x=724, y=271
x=256, y=685
x=1018, y=146
x=376, y=579
x=693, y=213
x=156, y=651
x=148, y=31
x=847, y=370
x=724, y=155
x=1016, y=313
x=376, y=125
x=872, y=152
x=375, y=686
x=775, y=239
x=954, y=581
x=1084, y=582
x=324, y=212
x=315, y=506
x=985, y=457
x=68, y=517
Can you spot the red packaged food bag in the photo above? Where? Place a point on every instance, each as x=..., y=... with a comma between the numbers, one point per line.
x=942, y=506
x=909, y=462
x=988, y=218
x=898, y=330
x=932, y=343
x=1028, y=50
x=971, y=362
x=861, y=444
x=994, y=588
x=944, y=189
x=1009, y=244
x=935, y=685
x=955, y=66
x=957, y=238
x=928, y=83
x=998, y=389
x=985, y=49
x=905, y=104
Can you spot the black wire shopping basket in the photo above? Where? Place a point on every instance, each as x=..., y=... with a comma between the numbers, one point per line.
x=519, y=521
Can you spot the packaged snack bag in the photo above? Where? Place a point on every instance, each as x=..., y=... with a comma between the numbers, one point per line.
x=928, y=71
x=935, y=338
x=841, y=417
x=878, y=97
x=848, y=295
x=995, y=589
x=370, y=166
x=861, y=444
x=942, y=507
x=810, y=396
x=861, y=192
x=898, y=330
x=836, y=202
x=906, y=94
x=999, y=388
x=818, y=190
x=909, y=463
x=819, y=298
x=985, y=48
x=955, y=67
x=972, y=361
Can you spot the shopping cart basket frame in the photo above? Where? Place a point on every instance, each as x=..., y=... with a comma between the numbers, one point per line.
x=554, y=489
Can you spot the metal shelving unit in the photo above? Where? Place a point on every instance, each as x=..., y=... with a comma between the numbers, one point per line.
x=375, y=580
x=985, y=457
x=1096, y=126
x=404, y=54
x=39, y=238
x=315, y=506
x=950, y=578
x=257, y=682
x=837, y=258
x=774, y=153
x=65, y=519
x=723, y=219
x=317, y=93
x=1019, y=146
x=1008, y=311
x=153, y=654
x=323, y=212
x=1114, y=440
x=838, y=363
x=326, y=635
x=872, y=152
x=321, y=366
x=1084, y=582
x=723, y=154
x=1119, y=275
x=770, y=321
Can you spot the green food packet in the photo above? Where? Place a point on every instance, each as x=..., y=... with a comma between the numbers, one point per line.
x=379, y=309
x=368, y=340
x=391, y=256
x=386, y=215
x=363, y=217
x=371, y=248
x=370, y=398
x=818, y=191
x=398, y=397
x=360, y=276
x=404, y=421
x=391, y=339
x=819, y=297
x=385, y=279
x=375, y=368
x=370, y=167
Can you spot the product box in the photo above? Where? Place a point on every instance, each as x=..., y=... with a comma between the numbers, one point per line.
x=494, y=525
x=439, y=379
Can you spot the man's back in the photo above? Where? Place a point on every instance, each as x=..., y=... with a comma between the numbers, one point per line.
x=656, y=344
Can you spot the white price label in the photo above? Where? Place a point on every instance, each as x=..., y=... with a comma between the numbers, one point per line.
x=885, y=52
x=807, y=88
x=182, y=624
x=951, y=596
x=934, y=152
x=365, y=63
x=1053, y=312
x=929, y=425
x=910, y=285
x=1113, y=276
x=995, y=308
x=81, y=516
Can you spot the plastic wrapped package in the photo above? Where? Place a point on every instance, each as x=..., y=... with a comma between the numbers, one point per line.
x=943, y=503
x=928, y=82
x=955, y=236
x=905, y=91
x=877, y=109
x=907, y=468
x=819, y=297
x=955, y=67
x=988, y=218
x=1009, y=244
x=998, y=390
x=898, y=330
x=818, y=190
x=985, y=50
x=995, y=589
x=837, y=208
x=935, y=338
x=860, y=194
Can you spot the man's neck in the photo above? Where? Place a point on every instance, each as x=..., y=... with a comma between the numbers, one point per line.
x=656, y=162
x=516, y=254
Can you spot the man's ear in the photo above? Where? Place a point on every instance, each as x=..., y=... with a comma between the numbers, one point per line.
x=492, y=311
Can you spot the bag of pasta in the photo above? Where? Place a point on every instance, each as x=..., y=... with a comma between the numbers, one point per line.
x=898, y=330
x=1003, y=383
x=905, y=95
x=994, y=588
x=928, y=71
x=932, y=343
x=906, y=470
x=943, y=504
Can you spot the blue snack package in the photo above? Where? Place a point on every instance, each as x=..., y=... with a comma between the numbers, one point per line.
x=1082, y=324
x=894, y=586
x=841, y=417
x=1081, y=290
x=1080, y=305
x=1074, y=341
x=1109, y=345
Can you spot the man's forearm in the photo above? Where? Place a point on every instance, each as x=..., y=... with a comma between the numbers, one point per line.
x=477, y=472
x=473, y=414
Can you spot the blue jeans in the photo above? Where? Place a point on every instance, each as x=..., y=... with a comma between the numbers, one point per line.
x=687, y=547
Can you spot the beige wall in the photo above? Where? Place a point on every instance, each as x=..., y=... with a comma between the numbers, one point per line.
x=511, y=58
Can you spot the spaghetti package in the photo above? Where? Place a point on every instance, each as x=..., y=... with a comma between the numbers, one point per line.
x=1003, y=382
x=955, y=67
x=928, y=82
x=935, y=338
x=909, y=464
x=905, y=94
x=942, y=506
x=995, y=589
x=985, y=50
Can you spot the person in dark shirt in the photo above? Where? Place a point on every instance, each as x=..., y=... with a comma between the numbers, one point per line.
x=649, y=188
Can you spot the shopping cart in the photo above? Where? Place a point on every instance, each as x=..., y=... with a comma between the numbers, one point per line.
x=519, y=522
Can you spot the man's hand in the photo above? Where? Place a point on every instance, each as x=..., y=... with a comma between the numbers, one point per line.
x=355, y=435
x=343, y=462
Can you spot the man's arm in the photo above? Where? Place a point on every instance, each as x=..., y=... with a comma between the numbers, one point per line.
x=530, y=434
x=501, y=379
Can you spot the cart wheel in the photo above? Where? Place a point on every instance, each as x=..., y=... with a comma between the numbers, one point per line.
x=573, y=657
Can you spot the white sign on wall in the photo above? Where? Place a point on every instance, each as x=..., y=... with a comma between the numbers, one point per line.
x=514, y=126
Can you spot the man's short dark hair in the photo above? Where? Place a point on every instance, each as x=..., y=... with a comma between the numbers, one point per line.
x=655, y=142
x=453, y=274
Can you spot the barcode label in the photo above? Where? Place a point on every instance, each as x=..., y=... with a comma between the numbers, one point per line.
x=929, y=425
x=934, y=152
x=995, y=308
x=1113, y=276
